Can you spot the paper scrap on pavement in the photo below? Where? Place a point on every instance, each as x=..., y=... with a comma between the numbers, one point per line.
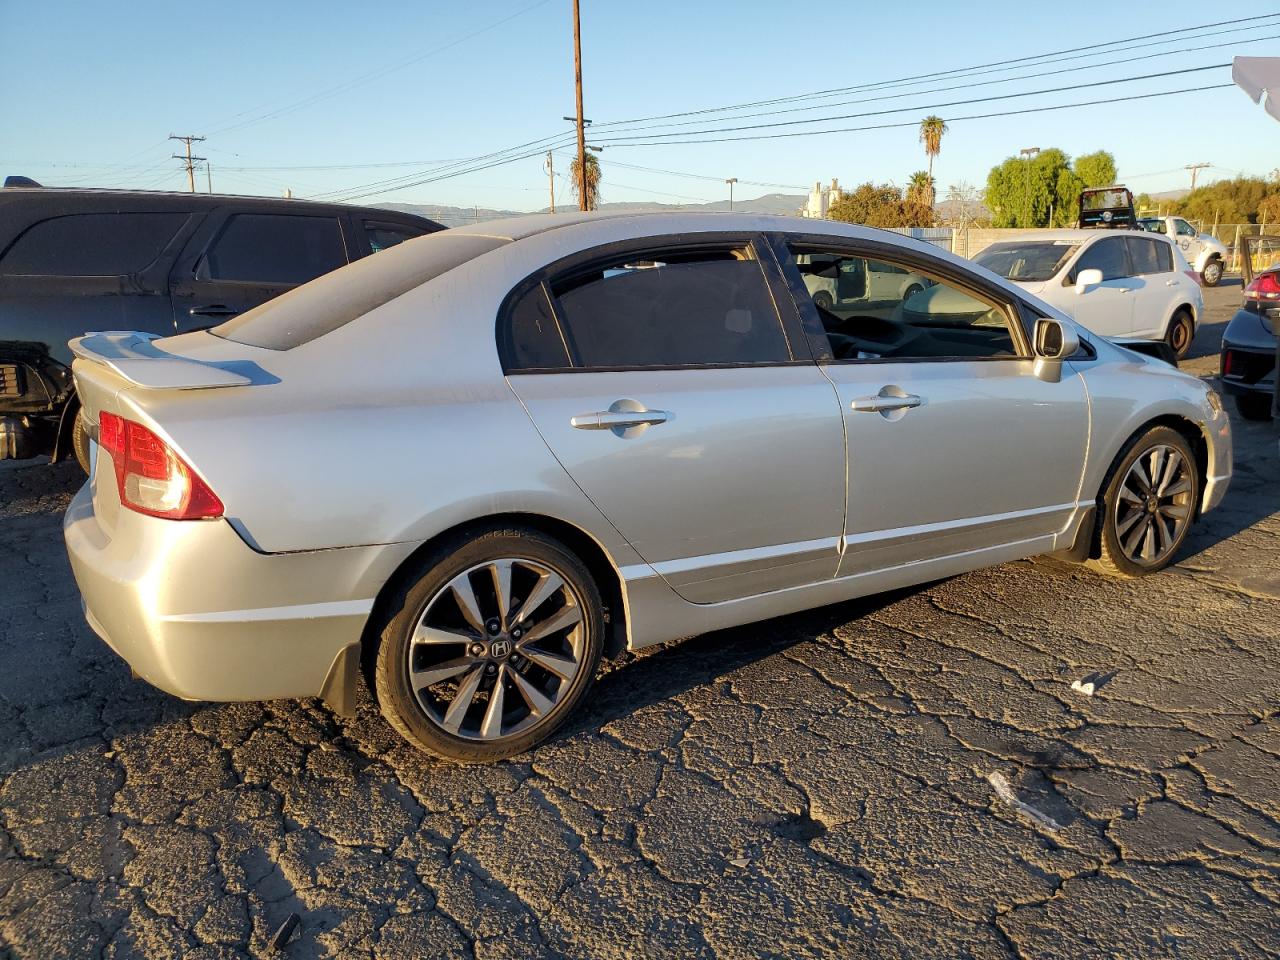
x=1005, y=793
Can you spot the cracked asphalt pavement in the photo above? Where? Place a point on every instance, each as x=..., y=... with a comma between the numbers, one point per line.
x=811, y=786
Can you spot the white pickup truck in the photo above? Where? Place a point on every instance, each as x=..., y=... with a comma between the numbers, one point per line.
x=1205, y=252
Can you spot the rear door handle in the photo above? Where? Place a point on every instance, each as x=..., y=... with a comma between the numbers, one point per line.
x=882, y=402
x=622, y=419
x=213, y=310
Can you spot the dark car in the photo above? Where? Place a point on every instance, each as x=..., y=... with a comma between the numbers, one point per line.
x=1249, y=350
x=72, y=261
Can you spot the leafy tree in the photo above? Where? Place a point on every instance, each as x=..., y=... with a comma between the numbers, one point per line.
x=1043, y=190
x=932, y=129
x=1237, y=200
x=593, y=181
x=881, y=205
x=1096, y=169
x=1269, y=210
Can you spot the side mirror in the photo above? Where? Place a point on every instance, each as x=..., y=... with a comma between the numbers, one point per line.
x=1086, y=279
x=1055, y=341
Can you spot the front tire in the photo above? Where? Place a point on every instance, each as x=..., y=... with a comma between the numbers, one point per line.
x=1254, y=406
x=491, y=643
x=823, y=300
x=1148, y=503
x=1182, y=331
x=1212, y=273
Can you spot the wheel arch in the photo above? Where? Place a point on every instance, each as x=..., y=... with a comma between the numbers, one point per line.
x=1190, y=431
x=596, y=559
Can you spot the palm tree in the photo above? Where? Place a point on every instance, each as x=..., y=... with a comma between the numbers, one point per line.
x=920, y=188
x=593, y=182
x=932, y=128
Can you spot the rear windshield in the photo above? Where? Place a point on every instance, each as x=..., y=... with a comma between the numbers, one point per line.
x=337, y=298
x=1026, y=261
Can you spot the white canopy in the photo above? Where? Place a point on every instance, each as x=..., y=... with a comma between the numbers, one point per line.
x=1259, y=75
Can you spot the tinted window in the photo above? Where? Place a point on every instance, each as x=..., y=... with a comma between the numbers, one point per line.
x=534, y=339
x=1184, y=229
x=686, y=309
x=925, y=319
x=383, y=235
x=275, y=248
x=92, y=244
x=1027, y=261
x=1149, y=256
x=1106, y=255
x=1153, y=226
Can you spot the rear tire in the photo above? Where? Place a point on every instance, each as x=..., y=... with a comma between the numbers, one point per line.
x=1254, y=406
x=80, y=441
x=911, y=291
x=1144, y=520
x=515, y=672
x=1212, y=273
x=1181, y=333
x=823, y=300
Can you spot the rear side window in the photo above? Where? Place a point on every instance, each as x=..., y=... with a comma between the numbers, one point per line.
x=1106, y=255
x=382, y=235
x=671, y=309
x=1149, y=256
x=274, y=248
x=91, y=245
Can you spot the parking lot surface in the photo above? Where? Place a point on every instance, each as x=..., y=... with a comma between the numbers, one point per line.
x=815, y=785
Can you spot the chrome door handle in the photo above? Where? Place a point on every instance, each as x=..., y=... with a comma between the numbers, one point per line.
x=611, y=419
x=884, y=402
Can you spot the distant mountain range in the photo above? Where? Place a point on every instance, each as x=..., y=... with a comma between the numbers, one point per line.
x=772, y=203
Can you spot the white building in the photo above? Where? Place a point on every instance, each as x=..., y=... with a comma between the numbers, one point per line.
x=820, y=200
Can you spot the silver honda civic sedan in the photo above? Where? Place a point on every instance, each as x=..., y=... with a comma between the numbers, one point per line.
x=465, y=469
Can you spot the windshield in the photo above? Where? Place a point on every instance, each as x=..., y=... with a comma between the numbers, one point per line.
x=1027, y=261
x=1105, y=199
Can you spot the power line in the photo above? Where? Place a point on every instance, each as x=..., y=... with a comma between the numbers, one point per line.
x=375, y=74
x=916, y=108
x=833, y=91
x=961, y=86
x=914, y=123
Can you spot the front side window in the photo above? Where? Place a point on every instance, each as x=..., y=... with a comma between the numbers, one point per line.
x=1106, y=255
x=1184, y=229
x=1029, y=262
x=91, y=245
x=922, y=318
x=274, y=248
x=670, y=308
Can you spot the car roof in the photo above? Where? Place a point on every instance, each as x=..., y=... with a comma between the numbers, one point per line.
x=64, y=199
x=1076, y=235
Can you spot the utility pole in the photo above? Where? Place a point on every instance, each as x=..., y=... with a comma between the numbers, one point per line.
x=1028, y=154
x=731, y=181
x=208, y=176
x=189, y=160
x=577, y=82
x=1196, y=168
x=551, y=177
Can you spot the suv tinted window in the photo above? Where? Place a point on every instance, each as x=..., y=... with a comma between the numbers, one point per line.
x=275, y=248
x=1149, y=256
x=1106, y=255
x=925, y=318
x=91, y=244
x=382, y=235
x=662, y=309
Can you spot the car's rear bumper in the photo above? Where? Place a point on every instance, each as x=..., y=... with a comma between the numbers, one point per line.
x=198, y=613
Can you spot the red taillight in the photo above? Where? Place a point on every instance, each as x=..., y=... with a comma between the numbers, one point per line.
x=1265, y=286
x=1228, y=361
x=151, y=478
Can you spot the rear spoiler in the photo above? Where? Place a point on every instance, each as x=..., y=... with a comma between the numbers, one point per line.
x=132, y=355
x=1148, y=348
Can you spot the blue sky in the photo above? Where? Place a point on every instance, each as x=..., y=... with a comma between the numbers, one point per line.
x=91, y=90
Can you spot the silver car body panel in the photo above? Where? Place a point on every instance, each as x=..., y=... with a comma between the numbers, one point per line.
x=349, y=452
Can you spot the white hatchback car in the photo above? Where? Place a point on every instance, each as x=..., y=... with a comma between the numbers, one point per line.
x=1119, y=283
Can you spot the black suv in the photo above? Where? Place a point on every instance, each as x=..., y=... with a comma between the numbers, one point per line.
x=72, y=261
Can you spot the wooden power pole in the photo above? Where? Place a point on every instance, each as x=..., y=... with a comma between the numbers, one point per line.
x=551, y=177
x=1196, y=168
x=577, y=82
x=189, y=161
